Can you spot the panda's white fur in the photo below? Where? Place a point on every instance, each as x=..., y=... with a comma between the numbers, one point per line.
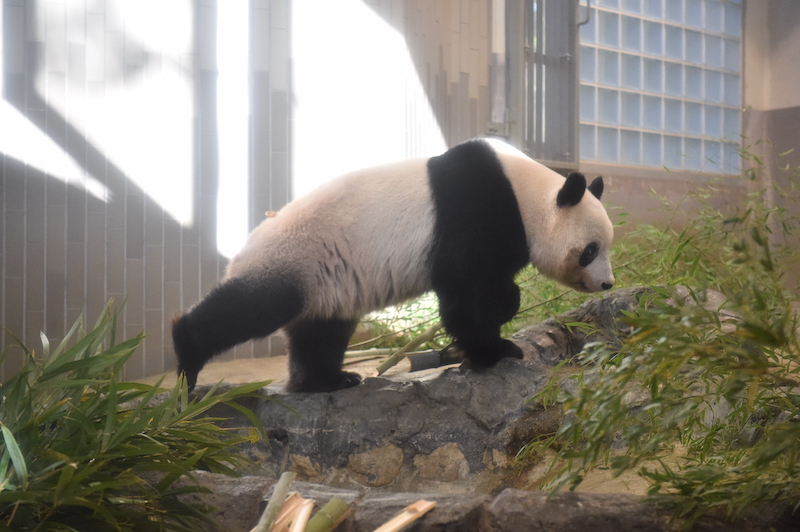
x=555, y=233
x=369, y=228
x=375, y=237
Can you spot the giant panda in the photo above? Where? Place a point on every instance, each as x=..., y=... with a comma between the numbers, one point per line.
x=461, y=224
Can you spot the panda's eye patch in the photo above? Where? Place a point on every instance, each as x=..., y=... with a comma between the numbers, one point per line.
x=588, y=255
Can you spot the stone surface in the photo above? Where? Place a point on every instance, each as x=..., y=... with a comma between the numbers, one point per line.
x=446, y=435
x=377, y=467
x=414, y=432
x=241, y=501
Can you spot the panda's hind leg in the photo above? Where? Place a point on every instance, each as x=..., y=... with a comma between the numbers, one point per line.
x=316, y=353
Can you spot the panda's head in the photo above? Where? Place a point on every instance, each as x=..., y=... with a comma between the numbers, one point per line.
x=575, y=250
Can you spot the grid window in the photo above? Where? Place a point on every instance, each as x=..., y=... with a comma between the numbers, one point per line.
x=661, y=84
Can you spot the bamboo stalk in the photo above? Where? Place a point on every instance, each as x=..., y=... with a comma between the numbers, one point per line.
x=427, y=336
x=410, y=514
x=275, y=503
x=329, y=516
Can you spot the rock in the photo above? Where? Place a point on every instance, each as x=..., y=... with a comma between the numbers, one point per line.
x=447, y=463
x=552, y=341
x=411, y=432
x=377, y=467
x=240, y=503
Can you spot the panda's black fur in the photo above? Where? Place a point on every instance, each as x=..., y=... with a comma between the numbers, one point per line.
x=479, y=246
x=476, y=243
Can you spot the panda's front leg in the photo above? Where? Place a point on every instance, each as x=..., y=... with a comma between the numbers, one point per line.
x=316, y=353
x=474, y=314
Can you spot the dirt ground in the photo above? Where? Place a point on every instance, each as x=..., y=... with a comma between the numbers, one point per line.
x=262, y=369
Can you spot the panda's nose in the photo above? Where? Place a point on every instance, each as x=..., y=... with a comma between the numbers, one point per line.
x=607, y=286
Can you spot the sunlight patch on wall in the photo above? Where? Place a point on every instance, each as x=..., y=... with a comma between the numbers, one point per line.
x=22, y=140
x=233, y=110
x=358, y=100
x=142, y=121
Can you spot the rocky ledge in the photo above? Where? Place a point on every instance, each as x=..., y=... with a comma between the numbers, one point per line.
x=447, y=435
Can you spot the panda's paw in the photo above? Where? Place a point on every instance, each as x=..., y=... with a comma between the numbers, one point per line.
x=486, y=358
x=345, y=379
x=511, y=350
x=348, y=380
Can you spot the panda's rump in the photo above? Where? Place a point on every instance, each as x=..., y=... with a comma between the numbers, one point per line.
x=357, y=244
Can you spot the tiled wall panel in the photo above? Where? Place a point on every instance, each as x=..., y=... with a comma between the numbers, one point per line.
x=63, y=251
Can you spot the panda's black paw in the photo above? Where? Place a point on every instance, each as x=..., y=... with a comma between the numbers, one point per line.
x=486, y=358
x=345, y=379
x=349, y=379
x=511, y=350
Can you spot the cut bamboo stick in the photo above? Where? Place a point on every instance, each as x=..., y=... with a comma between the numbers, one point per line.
x=410, y=514
x=288, y=512
x=329, y=516
x=302, y=515
x=427, y=336
x=275, y=503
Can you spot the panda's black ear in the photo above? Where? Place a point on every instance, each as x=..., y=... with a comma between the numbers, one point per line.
x=572, y=191
x=596, y=187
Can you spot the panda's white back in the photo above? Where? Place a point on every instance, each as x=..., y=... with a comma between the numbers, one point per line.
x=359, y=242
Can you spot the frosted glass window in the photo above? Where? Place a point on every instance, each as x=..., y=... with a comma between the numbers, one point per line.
x=673, y=79
x=608, y=26
x=588, y=32
x=713, y=51
x=652, y=112
x=651, y=150
x=654, y=8
x=607, y=106
x=588, y=110
x=608, y=63
x=733, y=19
x=673, y=114
x=733, y=126
x=633, y=6
x=673, y=152
x=673, y=42
x=588, y=63
x=713, y=15
x=731, y=159
x=631, y=147
x=674, y=10
x=664, y=80
x=712, y=151
x=693, y=118
x=653, y=75
x=694, y=13
x=694, y=82
x=732, y=55
x=587, y=143
x=693, y=154
x=631, y=71
x=653, y=37
x=607, y=144
x=694, y=47
x=713, y=121
x=631, y=109
x=632, y=33
x=732, y=90
x=713, y=86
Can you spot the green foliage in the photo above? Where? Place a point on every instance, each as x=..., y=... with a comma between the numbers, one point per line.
x=703, y=400
x=83, y=451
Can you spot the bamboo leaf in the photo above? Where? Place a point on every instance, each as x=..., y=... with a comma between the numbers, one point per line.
x=16, y=456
